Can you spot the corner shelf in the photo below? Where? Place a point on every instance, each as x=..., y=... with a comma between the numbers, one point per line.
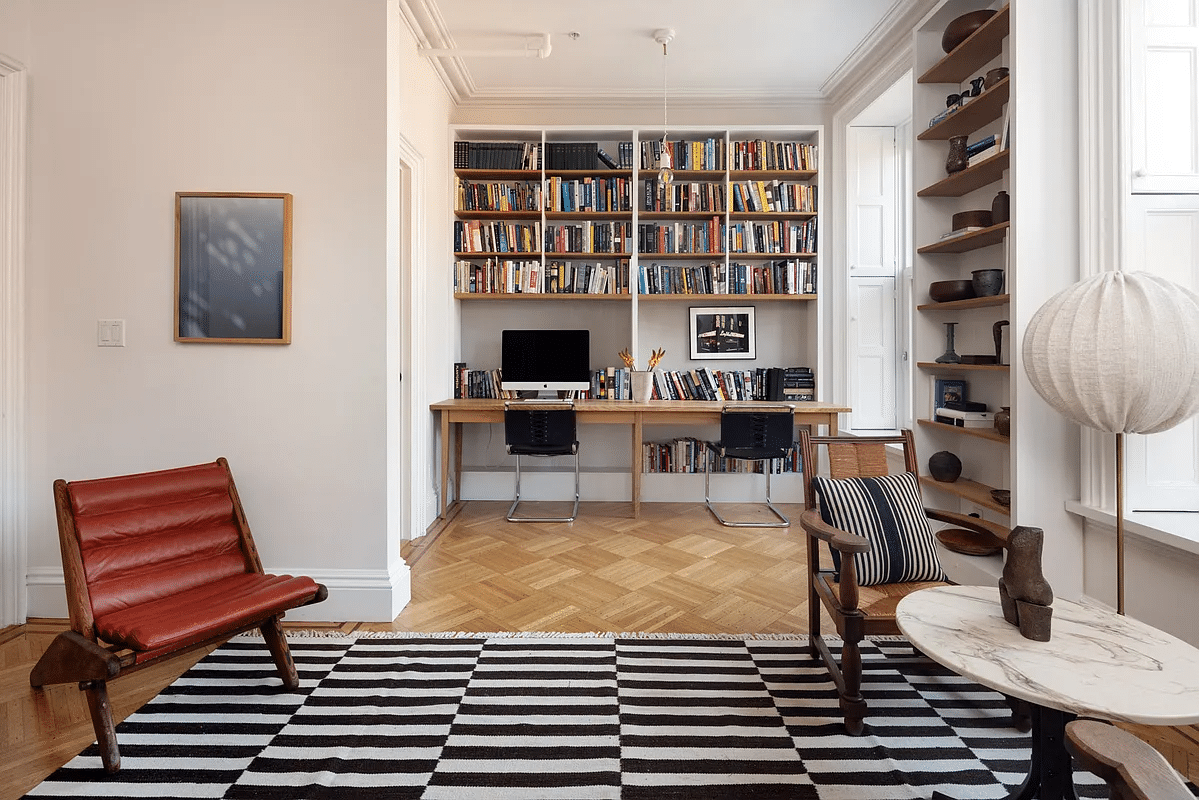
x=982, y=46
x=971, y=178
x=987, y=107
x=977, y=493
x=933, y=365
x=974, y=240
x=981, y=433
x=962, y=305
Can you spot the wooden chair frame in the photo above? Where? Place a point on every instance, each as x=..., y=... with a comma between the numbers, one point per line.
x=842, y=598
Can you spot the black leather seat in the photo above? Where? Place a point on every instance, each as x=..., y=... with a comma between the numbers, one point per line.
x=541, y=428
x=752, y=433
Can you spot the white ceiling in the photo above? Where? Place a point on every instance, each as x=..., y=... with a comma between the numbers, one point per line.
x=754, y=50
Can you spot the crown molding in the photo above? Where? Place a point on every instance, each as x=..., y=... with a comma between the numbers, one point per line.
x=893, y=34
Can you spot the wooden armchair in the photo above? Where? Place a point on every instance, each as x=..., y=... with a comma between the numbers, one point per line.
x=1132, y=769
x=157, y=564
x=859, y=610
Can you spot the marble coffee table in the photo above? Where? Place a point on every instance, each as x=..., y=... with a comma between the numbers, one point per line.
x=1096, y=663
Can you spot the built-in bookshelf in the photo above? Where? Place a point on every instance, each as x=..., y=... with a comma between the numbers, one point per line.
x=609, y=246
x=945, y=254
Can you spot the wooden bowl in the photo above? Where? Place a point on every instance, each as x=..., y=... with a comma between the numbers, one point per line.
x=944, y=291
x=972, y=219
x=968, y=543
x=959, y=30
x=1002, y=496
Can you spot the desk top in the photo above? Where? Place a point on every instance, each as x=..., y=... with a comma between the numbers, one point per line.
x=624, y=406
x=1096, y=661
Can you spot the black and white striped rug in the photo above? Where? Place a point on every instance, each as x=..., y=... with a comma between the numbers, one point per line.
x=525, y=717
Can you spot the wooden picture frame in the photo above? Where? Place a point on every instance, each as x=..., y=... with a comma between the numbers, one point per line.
x=722, y=332
x=233, y=267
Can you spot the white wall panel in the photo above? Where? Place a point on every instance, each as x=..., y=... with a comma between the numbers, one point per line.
x=872, y=375
x=872, y=214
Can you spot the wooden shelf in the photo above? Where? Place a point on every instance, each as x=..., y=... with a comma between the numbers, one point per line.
x=771, y=216
x=499, y=174
x=975, y=240
x=480, y=254
x=538, y=296
x=962, y=305
x=969, y=179
x=977, y=493
x=673, y=215
x=772, y=256
x=982, y=46
x=494, y=215
x=770, y=174
x=726, y=298
x=643, y=256
x=620, y=216
x=981, y=433
x=587, y=173
x=933, y=365
x=987, y=107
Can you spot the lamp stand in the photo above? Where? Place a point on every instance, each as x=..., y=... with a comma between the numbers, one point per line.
x=1119, y=523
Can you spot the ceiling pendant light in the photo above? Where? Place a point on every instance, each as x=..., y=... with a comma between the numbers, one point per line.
x=665, y=174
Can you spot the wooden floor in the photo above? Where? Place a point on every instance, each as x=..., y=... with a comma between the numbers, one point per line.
x=672, y=571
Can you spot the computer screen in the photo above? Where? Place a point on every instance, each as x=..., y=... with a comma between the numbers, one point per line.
x=545, y=359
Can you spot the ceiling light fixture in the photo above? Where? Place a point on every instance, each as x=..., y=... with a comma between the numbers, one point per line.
x=663, y=36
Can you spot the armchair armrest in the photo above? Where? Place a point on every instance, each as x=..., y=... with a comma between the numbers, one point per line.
x=970, y=523
x=837, y=539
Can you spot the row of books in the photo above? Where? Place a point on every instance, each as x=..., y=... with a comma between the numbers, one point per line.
x=589, y=194
x=783, y=236
x=707, y=154
x=497, y=155
x=685, y=456
x=496, y=276
x=589, y=237
x=681, y=237
x=777, y=277
x=703, y=196
x=480, y=236
x=773, y=196
x=766, y=154
x=572, y=155
x=516, y=196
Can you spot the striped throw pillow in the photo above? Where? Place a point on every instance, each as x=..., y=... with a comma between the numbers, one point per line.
x=888, y=512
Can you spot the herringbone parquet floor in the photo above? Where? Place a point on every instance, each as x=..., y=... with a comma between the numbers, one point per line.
x=674, y=570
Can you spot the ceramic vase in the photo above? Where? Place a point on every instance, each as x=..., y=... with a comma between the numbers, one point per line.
x=987, y=282
x=944, y=467
x=642, y=385
x=1001, y=208
x=957, y=160
x=1003, y=421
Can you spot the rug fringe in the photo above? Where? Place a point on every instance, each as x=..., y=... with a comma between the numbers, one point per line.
x=327, y=634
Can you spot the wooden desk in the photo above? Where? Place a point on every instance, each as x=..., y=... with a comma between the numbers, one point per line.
x=454, y=413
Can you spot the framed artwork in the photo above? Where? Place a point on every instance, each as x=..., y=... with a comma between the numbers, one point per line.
x=233, y=267
x=723, y=332
x=945, y=390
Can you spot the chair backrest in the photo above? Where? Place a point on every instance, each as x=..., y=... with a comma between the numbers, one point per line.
x=131, y=539
x=540, y=429
x=761, y=432
x=852, y=457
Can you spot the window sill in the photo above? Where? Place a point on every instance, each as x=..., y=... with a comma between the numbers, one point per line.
x=1177, y=529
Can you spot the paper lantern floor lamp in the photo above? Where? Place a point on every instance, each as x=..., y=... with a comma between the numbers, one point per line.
x=1118, y=352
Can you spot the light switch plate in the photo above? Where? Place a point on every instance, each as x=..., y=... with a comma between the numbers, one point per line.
x=110, y=333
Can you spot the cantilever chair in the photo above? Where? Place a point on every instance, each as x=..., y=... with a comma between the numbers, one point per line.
x=752, y=433
x=541, y=428
x=889, y=555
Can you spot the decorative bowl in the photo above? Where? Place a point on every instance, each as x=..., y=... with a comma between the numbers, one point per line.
x=994, y=76
x=1002, y=496
x=987, y=282
x=944, y=291
x=959, y=30
x=972, y=219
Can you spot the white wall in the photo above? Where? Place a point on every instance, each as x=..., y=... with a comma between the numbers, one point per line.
x=133, y=101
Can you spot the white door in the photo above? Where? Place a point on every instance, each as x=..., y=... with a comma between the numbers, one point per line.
x=871, y=172
x=872, y=341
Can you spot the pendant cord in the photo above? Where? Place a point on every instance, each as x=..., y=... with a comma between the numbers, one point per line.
x=664, y=118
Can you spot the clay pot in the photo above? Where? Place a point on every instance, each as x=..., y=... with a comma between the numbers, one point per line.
x=944, y=467
x=994, y=76
x=987, y=282
x=944, y=291
x=1001, y=208
x=957, y=160
x=959, y=29
x=971, y=219
x=1003, y=421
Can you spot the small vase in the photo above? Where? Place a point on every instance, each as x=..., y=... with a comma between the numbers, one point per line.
x=642, y=384
x=987, y=282
x=1001, y=208
x=957, y=159
x=1003, y=421
x=949, y=356
x=944, y=467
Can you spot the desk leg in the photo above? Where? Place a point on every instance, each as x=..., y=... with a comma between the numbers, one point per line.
x=1050, y=771
x=457, y=461
x=442, y=500
x=636, y=466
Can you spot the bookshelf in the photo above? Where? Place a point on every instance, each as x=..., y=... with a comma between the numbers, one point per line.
x=737, y=226
x=985, y=454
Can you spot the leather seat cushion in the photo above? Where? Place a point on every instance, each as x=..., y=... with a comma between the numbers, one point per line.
x=200, y=613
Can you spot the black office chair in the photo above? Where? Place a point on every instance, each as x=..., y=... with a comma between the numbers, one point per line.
x=541, y=428
x=753, y=433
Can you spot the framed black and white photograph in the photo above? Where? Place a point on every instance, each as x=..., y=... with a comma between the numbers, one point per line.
x=723, y=332
x=233, y=267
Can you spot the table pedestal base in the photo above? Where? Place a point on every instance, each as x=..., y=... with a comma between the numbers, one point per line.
x=1050, y=773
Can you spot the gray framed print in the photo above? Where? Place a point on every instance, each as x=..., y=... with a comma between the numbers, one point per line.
x=233, y=267
x=722, y=332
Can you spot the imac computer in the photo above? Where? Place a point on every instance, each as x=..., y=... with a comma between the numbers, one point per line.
x=545, y=360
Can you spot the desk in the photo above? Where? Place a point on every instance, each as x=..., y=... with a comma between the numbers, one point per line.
x=1096, y=663
x=454, y=413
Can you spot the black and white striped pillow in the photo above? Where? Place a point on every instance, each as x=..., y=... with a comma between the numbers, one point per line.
x=888, y=512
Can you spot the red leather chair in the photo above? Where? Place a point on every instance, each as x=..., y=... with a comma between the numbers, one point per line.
x=157, y=564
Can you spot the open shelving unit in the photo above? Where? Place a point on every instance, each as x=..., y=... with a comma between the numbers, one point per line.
x=985, y=454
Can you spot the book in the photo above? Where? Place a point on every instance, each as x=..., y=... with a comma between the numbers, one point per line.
x=953, y=413
x=982, y=155
x=606, y=159
x=961, y=231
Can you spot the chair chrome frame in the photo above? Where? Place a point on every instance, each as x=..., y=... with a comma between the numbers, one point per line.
x=571, y=449
x=748, y=453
